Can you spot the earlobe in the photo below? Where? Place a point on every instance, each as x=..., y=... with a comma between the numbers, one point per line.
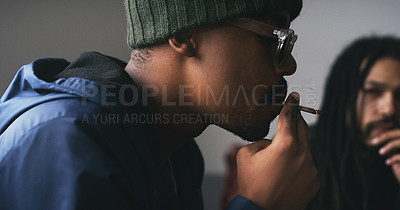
x=183, y=45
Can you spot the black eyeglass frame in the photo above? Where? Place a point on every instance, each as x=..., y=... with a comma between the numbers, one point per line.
x=286, y=37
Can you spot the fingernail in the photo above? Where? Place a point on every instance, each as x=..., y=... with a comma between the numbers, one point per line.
x=387, y=162
x=375, y=140
x=382, y=150
x=296, y=96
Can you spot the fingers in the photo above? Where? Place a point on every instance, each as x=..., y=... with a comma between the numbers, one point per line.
x=390, y=147
x=253, y=148
x=291, y=123
x=287, y=122
x=279, y=174
x=302, y=128
x=395, y=159
x=385, y=137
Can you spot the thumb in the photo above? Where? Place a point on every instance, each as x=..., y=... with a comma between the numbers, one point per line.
x=251, y=149
x=287, y=122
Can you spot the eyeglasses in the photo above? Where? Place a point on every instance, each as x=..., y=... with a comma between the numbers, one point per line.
x=286, y=37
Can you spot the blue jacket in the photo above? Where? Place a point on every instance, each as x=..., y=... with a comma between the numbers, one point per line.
x=67, y=142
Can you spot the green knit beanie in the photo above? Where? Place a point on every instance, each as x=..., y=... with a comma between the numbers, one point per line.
x=153, y=21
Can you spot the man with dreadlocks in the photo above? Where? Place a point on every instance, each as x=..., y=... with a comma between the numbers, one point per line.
x=357, y=138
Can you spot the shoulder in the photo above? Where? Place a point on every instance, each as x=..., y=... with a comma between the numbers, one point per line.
x=64, y=110
x=64, y=159
x=57, y=123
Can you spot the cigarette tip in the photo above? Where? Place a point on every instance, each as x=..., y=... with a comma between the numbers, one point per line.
x=309, y=110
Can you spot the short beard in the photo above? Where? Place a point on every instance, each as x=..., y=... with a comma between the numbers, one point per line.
x=246, y=131
x=274, y=91
x=386, y=120
x=247, y=126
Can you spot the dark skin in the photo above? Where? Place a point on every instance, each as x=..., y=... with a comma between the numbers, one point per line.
x=277, y=175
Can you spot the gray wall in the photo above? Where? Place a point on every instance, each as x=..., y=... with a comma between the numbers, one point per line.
x=54, y=28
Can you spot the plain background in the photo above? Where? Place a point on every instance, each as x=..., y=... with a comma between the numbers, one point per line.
x=55, y=28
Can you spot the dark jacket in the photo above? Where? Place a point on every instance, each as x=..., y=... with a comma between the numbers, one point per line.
x=71, y=138
x=67, y=143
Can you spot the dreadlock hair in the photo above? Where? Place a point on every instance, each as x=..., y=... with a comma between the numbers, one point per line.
x=336, y=148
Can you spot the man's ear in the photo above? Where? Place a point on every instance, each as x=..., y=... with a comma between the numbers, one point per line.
x=183, y=44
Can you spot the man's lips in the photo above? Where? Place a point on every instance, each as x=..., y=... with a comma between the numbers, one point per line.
x=279, y=100
x=380, y=128
x=280, y=97
x=279, y=93
x=275, y=95
x=274, y=98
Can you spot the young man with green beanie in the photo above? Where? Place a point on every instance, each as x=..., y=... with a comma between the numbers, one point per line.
x=98, y=133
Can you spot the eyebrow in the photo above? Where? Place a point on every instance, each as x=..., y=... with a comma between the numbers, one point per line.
x=375, y=83
x=381, y=85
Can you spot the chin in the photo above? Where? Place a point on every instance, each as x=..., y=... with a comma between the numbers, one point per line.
x=252, y=126
x=253, y=137
x=249, y=133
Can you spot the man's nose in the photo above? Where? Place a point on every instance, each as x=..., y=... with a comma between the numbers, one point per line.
x=387, y=104
x=288, y=67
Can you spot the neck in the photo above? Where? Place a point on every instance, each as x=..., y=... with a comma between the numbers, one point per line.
x=172, y=137
x=160, y=82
